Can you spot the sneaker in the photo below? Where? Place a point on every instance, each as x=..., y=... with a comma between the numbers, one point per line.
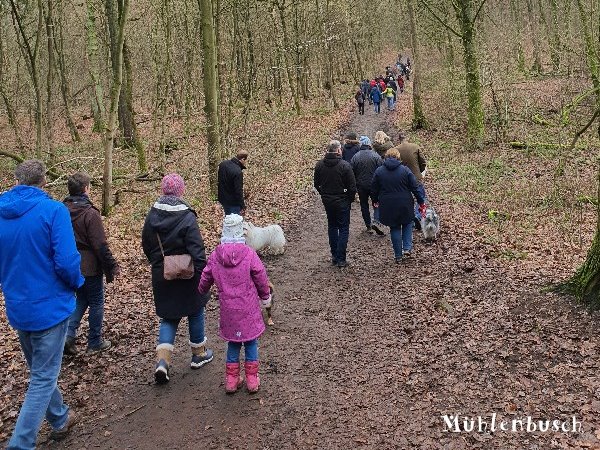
x=342, y=264
x=199, y=360
x=70, y=347
x=370, y=229
x=406, y=254
x=61, y=433
x=398, y=260
x=161, y=373
x=105, y=345
x=378, y=230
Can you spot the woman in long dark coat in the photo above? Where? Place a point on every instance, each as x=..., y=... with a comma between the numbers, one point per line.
x=174, y=221
x=392, y=189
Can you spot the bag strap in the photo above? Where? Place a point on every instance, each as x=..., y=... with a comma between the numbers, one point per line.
x=160, y=245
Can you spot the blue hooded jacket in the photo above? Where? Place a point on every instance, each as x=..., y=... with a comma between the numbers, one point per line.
x=39, y=262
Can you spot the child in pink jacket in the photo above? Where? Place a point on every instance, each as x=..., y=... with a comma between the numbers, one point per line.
x=243, y=287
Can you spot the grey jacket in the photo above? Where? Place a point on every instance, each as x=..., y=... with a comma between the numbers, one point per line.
x=364, y=164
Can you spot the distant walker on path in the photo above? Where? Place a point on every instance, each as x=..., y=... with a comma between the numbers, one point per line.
x=231, y=183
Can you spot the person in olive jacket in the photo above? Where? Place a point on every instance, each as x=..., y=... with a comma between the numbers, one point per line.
x=335, y=182
x=97, y=261
x=411, y=157
x=230, y=187
x=173, y=221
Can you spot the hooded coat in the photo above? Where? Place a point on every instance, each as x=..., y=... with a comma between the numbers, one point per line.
x=335, y=182
x=96, y=257
x=393, y=188
x=230, y=187
x=241, y=280
x=349, y=150
x=175, y=222
x=39, y=262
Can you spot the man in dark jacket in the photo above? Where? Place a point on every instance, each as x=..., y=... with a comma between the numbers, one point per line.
x=231, y=183
x=96, y=261
x=351, y=146
x=334, y=180
x=39, y=273
x=364, y=164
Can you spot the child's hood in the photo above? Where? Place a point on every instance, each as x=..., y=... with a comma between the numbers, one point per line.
x=230, y=255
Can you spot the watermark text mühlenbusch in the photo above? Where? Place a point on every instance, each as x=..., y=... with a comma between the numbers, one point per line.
x=455, y=423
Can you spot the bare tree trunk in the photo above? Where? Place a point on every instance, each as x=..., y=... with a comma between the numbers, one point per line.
x=92, y=54
x=50, y=81
x=537, y=62
x=210, y=92
x=115, y=93
x=10, y=112
x=419, y=120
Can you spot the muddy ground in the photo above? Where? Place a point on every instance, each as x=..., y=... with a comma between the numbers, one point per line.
x=371, y=356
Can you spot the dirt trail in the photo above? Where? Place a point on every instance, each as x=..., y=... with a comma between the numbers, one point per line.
x=372, y=355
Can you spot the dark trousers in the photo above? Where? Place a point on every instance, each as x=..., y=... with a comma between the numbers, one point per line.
x=338, y=227
x=364, y=196
x=90, y=295
x=361, y=108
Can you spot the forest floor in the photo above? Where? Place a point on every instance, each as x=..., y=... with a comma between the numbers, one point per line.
x=370, y=356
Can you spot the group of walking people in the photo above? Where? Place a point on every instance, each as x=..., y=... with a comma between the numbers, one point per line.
x=383, y=88
x=54, y=257
x=387, y=178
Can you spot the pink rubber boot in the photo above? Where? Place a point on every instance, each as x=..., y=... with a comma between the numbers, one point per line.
x=233, y=379
x=252, y=380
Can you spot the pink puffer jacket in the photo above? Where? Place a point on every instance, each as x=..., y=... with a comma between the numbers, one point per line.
x=241, y=280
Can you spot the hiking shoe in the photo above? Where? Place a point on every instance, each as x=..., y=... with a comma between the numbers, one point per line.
x=61, y=433
x=370, y=229
x=334, y=262
x=342, y=264
x=105, y=345
x=199, y=360
x=406, y=254
x=70, y=347
x=398, y=260
x=378, y=230
x=161, y=373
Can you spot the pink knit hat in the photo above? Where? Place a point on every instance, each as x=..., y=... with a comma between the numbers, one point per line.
x=173, y=184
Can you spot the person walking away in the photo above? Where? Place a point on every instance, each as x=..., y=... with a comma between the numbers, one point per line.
x=243, y=286
x=364, y=164
x=230, y=184
x=400, y=84
x=382, y=84
x=351, y=146
x=39, y=273
x=412, y=158
x=171, y=228
x=392, y=191
x=372, y=85
x=389, y=95
x=335, y=182
x=382, y=143
x=97, y=261
x=376, y=98
x=394, y=86
x=360, y=101
x=364, y=87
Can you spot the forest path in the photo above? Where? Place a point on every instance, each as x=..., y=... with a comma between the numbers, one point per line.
x=372, y=355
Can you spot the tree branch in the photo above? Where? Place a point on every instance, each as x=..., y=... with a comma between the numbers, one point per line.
x=583, y=130
x=478, y=11
x=452, y=30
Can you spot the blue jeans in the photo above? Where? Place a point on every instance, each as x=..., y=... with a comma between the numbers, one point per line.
x=338, y=228
x=421, y=189
x=168, y=329
x=250, y=350
x=91, y=295
x=363, y=196
x=401, y=239
x=43, y=351
x=228, y=209
x=390, y=101
x=377, y=107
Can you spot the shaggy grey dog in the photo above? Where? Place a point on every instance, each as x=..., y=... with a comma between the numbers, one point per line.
x=430, y=224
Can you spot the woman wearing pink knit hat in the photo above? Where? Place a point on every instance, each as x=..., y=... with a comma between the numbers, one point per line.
x=173, y=221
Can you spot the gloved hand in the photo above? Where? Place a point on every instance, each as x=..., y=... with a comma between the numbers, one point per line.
x=422, y=209
x=265, y=302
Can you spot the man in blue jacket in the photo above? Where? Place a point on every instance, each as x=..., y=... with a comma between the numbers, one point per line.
x=39, y=273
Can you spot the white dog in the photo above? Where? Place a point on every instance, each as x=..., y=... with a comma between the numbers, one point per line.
x=271, y=237
x=430, y=224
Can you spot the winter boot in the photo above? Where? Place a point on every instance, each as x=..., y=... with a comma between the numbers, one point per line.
x=200, y=354
x=252, y=380
x=233, y=379
x=163, y=358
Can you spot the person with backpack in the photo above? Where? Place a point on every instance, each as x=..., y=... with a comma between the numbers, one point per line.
x=376, y=98
x=372, y=85
x=400, y=84
x=389, y=94
x=360, y=101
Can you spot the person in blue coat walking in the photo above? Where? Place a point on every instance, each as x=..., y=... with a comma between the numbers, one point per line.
x=392, y=191
x=39, y=274
x=376, y=98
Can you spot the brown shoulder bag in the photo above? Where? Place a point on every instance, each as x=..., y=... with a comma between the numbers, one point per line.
x=176, y=267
